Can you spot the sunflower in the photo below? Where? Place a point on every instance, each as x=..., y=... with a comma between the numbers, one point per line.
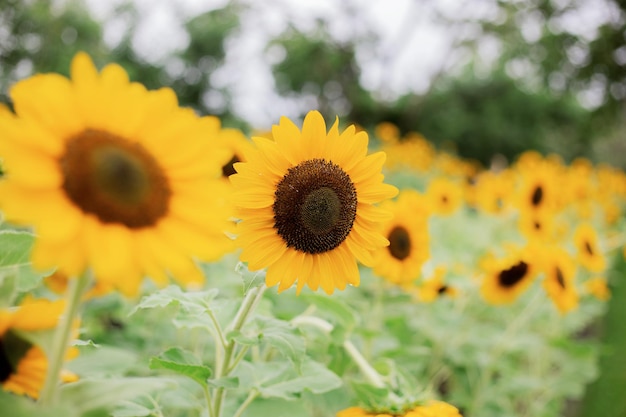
x=588, y=249
x=435, y=287
x=23, y=366
x=407, y=232
x=598, y=287
x=127, y=178
x=305, y=202
x=492, y=192
x=507, y=277
x=445, y=195
x=237, y=145
x=538, y=189
x=560, y=270
x=430, y=409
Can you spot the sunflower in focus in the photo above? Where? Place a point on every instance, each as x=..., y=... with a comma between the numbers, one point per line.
x=23, y=366
x=588, y=249
x=560, y=270
x=306, y=205
x=445, y=196
x=430, y=409
x=506, y=278
x=128, y=179
x=407, y=232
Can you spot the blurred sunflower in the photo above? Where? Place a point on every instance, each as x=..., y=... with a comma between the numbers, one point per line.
x=306, y=205
x=538, y=226
x=23, y=366
x=127, y=178
x=237, y=145
x=588, y=250
x=506, y=278
x=537, y=191
x=431, y=409
x=598, y=287
x=493, y=192
x=435, y=287
x=401, y=262
x=445, y=196
x=560, y=271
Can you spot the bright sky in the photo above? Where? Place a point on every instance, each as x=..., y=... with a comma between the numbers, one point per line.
x=412, y=47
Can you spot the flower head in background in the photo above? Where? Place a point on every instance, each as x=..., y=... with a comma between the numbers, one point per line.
x=588, y=251
x=306, y=203
x=506, y=278
x=430, y=409
x=560, y=271
x=112, y=177
x=407, y=231
x=23, y=365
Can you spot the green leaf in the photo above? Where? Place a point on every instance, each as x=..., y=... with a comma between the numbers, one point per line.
x=335, y=308
x=281, y=380
x=192, y=307
x=130, y=409
x=242, y=339
x=182, y=362
x=251, y=279
x=226, y=382
x=91, y=394
x=21, y=406
x=281, y=335
x=102, y=361
x=370, y=396
x=15, y=249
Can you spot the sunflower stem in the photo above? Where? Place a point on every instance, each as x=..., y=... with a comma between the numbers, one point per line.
x=251, y=397
x=249, y=303
x=60, y=342
x=364, y=366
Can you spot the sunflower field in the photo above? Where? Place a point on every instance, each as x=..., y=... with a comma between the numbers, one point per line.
x=159, y=261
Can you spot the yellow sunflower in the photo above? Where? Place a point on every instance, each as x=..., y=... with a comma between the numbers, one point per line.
x=506, y=278
x=112, y=177
x=445, y=195
x=492, y=192
x=538, y=190
x=598, y=287
x=435, y=287
x=23, y=366
x=237, y=145
x=430, y=409
x=588, y=250
x=306, y=205
x=560, y=270
x=401, y=262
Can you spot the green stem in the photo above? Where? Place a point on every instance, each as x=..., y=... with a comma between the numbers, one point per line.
x=249, y=303
x=368, y=371
x=207, y=397
x=218, y=328
x=251, y=397
x=238, y=358
x=61, y=340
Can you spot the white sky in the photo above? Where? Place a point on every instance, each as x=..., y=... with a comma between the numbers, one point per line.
x=412, y=47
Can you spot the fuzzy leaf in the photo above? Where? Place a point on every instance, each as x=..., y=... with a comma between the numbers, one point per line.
x=182, y=362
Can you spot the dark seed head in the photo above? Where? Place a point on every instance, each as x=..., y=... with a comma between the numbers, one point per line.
x=229, y=169
x=537, y=196
x=399, y=243
x=510, y=277
x=314, y=206
x=114, y=179
x=559, y=277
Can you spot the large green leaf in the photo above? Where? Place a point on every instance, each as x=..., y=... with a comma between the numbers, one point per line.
x=282, y=380
x=182, y=362
x=15, y=263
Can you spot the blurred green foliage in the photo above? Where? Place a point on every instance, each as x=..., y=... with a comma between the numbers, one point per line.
x=478, y=115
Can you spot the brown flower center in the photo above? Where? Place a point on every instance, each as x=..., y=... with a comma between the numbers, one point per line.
x=588, y=248
x=114, y=179
x=510, y=277
x=559, y=277
x=228, y=169
x=12, y=350
x=537, y=196
x=314, y=206
x=399, y=243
